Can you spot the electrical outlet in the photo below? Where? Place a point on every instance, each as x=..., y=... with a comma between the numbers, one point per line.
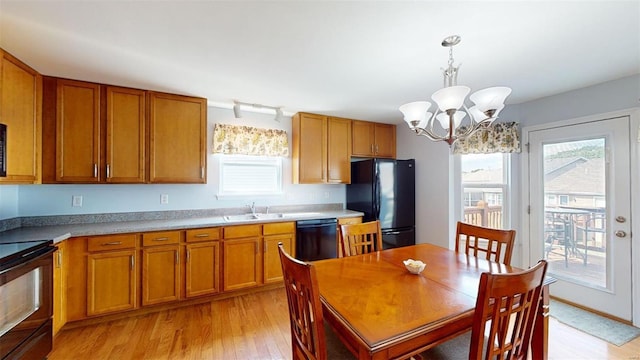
x=164, y=199
x=76, y=201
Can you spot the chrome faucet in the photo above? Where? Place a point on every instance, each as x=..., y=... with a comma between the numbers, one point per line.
x=252, y=207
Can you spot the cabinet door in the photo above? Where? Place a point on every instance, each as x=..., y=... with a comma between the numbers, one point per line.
x=59, y=288
x=111, y=282
x=309, y=157
x=272, y=268
x=20, y=110
x=338, y=151
x=77, y=131
x=125, y=138
x=160, y=274
x=363, y=138
x=202, y=268
x=177, y=140
x=385, y=140
x=242, y=263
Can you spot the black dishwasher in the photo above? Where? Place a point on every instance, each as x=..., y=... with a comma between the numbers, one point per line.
x=316, y=239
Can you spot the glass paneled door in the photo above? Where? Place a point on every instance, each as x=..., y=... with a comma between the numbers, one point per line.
x=580, y=212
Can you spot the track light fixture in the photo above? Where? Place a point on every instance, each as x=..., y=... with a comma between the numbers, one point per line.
x=257, y=108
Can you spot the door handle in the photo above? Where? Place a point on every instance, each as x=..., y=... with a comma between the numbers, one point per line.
x=620, y=234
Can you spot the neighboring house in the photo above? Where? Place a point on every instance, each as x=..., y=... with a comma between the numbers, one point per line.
x=575, y=182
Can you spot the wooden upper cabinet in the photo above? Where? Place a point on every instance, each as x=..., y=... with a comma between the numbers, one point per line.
x=177, y=139
x=77, y=131
x=95, y=133
x=373, y=139
x=338, y=150
x=20, y=110
x=321, y=149
x=125, y=135
x=309, y=148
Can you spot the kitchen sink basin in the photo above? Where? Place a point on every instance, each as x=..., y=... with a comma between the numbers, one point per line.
x=251, y=217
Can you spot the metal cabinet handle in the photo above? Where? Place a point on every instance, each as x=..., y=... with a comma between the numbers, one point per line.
x=161, y=239
x=177, y=257
x=108, y=171
x=371, y=148
x=95, y=170
x=202, y=235
x=621, y=234
x=59, y=262
x=133, y=262
x=112, y=243
x=376, y=148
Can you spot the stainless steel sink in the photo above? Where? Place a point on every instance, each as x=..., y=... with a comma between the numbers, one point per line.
x=252, y=217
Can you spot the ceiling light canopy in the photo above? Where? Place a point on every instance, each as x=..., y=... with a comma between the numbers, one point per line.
x=238, y=114
x=451, y=110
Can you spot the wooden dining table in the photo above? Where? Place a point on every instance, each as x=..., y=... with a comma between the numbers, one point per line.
x=381, y=311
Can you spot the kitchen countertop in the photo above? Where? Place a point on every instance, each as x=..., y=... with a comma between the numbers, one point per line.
x=59, y=233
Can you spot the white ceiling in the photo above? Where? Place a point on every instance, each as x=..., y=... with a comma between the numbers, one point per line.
x=356, y=59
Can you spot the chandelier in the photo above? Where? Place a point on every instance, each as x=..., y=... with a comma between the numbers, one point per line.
x=451, y=110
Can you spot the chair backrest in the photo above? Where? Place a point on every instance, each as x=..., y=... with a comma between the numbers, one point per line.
x=493, y=244
x=509, y=303
x=308, y=339
x=361, y=238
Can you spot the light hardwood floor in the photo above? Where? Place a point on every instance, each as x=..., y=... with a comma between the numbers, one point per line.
x=253, y=326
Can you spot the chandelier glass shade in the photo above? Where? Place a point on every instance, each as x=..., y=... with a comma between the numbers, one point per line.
x=451, y=113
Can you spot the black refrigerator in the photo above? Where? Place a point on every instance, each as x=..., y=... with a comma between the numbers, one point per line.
x=384, y=189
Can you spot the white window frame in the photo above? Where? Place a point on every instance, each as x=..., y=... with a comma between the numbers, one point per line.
x=230, y=172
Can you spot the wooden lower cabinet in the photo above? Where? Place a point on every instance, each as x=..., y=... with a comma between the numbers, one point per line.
x=202, y=269
x=275, y=233
x=59, y=288
x=242, y=263
x=160, y=267
x=111, y=282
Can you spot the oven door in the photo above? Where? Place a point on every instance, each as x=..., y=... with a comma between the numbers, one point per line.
x=26, y=294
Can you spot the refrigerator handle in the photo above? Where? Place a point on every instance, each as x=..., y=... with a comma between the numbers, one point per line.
x=376, y=192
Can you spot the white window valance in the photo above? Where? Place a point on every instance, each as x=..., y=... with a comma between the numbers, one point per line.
x=496, y=138
x=247, y=140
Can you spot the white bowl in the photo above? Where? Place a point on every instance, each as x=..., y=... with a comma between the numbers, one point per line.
x=414, y=266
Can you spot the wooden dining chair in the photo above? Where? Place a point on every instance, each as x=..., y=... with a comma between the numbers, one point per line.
x=504, y=318
x=310, y=338
x=493, y=244
x=362, y=238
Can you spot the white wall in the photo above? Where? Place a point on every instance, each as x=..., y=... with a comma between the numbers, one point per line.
x=36, y=200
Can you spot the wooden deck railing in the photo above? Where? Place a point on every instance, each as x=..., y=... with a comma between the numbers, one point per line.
x=484, y=215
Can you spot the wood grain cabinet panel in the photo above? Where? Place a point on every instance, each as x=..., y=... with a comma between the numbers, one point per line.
x=321, y=149
x=373, y=139
x=202, y=264
x=242, y=263
x=272, y=269
x=125, y=135
x=77, y=131
x=20, y=110
x=111, y=282
x=60, y=269
x=160, y=274
x=177, y=139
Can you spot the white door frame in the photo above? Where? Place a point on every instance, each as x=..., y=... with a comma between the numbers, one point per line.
x=634, y=156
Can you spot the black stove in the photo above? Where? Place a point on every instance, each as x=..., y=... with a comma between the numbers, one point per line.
x=14, y=253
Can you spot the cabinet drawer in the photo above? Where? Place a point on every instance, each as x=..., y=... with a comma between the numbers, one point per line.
x=242, y=231
x=279, y=228
x=160, y=238
x=113, y=242
x=206, y=234
x=353, y=220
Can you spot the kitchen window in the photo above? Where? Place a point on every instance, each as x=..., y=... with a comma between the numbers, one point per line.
x=250, y=175
x=484, y=186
